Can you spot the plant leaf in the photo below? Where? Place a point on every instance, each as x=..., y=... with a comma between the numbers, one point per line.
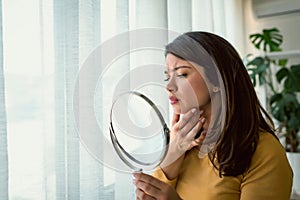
x=256, y=61
x=288, y=83
x=293, y=122
x=261, y=79
x=292, y=83
x=295, y=69
x=275, y=97
x=282, y=62
x=282, y=73
x=270, y=40
x=262, y=68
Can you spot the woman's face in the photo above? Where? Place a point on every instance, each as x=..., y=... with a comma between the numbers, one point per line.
x=186, y=87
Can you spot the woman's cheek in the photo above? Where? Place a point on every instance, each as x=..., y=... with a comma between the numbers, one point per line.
x=189, y=100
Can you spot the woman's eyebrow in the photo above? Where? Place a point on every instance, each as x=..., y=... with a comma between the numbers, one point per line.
x=176, y=68
x=179, y=67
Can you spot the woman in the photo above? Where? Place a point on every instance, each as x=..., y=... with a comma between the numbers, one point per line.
x=237, y=155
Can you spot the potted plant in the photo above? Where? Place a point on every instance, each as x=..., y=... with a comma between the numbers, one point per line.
x=282, y=85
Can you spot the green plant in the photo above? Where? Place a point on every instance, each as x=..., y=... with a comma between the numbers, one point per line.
x=282, y=83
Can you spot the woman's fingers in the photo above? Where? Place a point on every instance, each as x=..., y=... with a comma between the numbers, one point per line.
x=141, y=195
x=189, y=119
x=189, y=140
x=186, y=128
x=194, y=131
x=175, y=119
x=151, y=188
x=199, y=140
x=147, y=186
x=148, y=179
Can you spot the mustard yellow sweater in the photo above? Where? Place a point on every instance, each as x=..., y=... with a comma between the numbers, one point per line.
x=268, y=178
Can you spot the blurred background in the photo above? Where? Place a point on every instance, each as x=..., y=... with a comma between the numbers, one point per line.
x=43, y=44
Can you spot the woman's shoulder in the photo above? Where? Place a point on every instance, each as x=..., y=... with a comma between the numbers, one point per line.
x=269, y=144
x=269, y=175
x=269, y=152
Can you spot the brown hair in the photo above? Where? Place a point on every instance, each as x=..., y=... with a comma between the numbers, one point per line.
x=244, y=119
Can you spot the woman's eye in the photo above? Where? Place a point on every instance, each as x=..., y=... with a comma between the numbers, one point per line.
x=184, y=75
x=181, y=75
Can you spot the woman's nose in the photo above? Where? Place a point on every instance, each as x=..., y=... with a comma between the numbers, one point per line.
x=171, y=85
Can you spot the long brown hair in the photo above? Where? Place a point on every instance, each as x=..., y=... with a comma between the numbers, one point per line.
x=244, y=119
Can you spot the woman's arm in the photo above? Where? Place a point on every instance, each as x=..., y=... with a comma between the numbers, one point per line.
x=171, y=171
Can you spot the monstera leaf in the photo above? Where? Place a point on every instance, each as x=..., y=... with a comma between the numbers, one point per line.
x=258, y=67
x=291, y=78
x=270, y=40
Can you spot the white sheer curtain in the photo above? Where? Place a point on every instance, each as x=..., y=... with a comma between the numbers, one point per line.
x=45, y=42
x=3, y=128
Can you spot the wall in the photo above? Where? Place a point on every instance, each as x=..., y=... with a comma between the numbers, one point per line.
x=288, y=24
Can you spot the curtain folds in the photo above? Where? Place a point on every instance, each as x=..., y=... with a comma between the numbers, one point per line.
x=68, y=32
x=3, y=128
x=66, y=40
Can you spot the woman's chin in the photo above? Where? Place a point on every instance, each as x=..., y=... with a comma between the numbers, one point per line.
x=176, y=110
x=181, y=108
x=180, y=111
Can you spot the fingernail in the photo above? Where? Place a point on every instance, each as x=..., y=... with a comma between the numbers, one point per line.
x=193, y=110
x=136, y=173
x=203, y=120
x=201, y=111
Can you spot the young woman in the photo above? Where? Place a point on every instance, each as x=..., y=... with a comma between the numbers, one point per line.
x=221, y=145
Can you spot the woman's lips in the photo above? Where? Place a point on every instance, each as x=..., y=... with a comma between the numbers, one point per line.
x=173, y=100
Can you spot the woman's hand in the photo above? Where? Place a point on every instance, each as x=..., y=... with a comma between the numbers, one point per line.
x=148, y=187
x=182, y=138
x=185, y=128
